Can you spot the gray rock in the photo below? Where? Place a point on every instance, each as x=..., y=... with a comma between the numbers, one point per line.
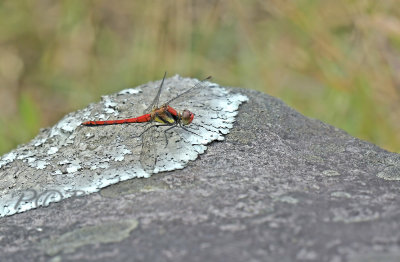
x=281, y=187
x=71, y=159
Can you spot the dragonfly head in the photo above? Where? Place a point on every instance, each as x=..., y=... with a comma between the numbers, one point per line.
x=187, y=117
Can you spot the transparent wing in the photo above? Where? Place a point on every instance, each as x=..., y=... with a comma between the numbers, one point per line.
x=201, y=84
x=148, y=154
x=156, y=98
x=154, y=143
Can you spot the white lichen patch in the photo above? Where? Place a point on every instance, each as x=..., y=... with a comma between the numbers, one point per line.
x=70, y=158
x=40, y=164
x=8, y=158
x=130, y=91
x=73, y=168
x=52, y=150
x=109, y=232
x=40, y=142
x=109, y=106
x=120, y=152
x=67, y=125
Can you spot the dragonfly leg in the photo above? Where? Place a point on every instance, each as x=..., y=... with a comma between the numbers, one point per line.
x=146, y=130
x=208, y=129
x=145, y=125
x=165, y=134
x=184, y=128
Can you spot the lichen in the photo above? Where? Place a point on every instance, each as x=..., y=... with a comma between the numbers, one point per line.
x=70, y=156
x=109, y=232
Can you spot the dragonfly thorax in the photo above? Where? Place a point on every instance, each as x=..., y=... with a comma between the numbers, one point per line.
x=186, y=117
x=169, y=116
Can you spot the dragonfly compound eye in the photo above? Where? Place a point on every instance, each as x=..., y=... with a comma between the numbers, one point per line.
x=187, y=117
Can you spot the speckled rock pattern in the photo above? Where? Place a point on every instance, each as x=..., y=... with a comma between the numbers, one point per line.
x=70, y=159
x=281, y=187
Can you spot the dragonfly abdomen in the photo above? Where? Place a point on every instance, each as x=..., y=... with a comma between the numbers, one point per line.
x=140, y=119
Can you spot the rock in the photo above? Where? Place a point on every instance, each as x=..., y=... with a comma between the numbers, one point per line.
x=70, y=159
x=281, y=187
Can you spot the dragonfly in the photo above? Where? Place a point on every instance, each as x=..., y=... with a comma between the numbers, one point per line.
x=163, y=115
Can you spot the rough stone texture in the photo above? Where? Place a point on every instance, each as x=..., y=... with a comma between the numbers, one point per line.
x=282, y=187
x=69, y=159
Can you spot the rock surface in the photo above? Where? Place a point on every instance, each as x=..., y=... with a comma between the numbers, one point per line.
x=281, y=187
x=71, y=159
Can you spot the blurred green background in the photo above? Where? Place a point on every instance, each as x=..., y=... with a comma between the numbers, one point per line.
x=335, y=60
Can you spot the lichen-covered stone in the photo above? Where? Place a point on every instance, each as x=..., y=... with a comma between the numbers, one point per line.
x=70, y=158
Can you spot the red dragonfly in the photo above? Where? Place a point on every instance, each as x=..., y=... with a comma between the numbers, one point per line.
x=164, y=114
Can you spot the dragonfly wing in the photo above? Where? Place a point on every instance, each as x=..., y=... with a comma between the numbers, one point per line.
x=199, y=85
x=156, y=98
x=148, y=154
